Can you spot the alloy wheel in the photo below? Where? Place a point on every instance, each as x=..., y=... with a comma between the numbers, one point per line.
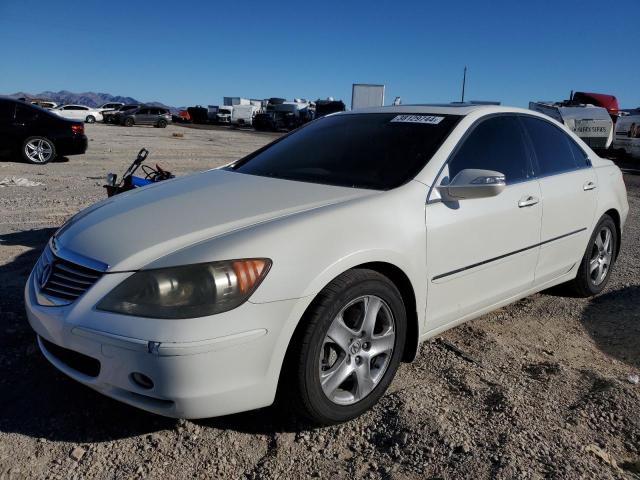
x=39, y=150
x=357, y=349
x=601, y=256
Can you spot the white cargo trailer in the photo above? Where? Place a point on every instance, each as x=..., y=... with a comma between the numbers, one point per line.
x=243, y=114
x=232, y=101
x=592, y=124
x=365, y=95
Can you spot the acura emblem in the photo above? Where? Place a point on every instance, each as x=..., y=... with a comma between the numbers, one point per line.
x=44, y=276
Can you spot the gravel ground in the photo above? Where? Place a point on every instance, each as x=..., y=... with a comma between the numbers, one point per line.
x=539, y=389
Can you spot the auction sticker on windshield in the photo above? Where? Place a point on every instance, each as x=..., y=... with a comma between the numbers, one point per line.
x=428, y=119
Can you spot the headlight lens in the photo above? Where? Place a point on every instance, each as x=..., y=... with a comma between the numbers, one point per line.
x=188, y=291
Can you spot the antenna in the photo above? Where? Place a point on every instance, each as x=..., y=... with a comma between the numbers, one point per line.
x=464, y=81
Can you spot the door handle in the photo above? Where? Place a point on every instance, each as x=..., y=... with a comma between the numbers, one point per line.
x=589, y=185
x=528, y=201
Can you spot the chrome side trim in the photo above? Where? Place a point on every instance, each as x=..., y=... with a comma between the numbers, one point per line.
x=500, y=257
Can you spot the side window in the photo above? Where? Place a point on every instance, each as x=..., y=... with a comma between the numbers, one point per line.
x=495, y=144
x=25, y=113
x=554, y=149
x=581, y=158
x=7, y=110
x=143, y=111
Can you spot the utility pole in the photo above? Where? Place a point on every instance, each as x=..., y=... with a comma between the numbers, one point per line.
x=464, y=81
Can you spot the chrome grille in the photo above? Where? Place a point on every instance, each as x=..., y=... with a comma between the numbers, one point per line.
x=62, y=279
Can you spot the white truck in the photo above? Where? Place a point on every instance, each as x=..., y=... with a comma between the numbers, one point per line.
x=592, y=124
x=627, y=137
x=242, y=115
x=224, y=113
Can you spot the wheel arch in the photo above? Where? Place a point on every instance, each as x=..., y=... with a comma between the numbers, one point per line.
x=400, y=279
x=615, y=215
x=402, y=282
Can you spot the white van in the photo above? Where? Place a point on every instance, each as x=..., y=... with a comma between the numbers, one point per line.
x=627, y=135
x=243, y=114
x=592, y=124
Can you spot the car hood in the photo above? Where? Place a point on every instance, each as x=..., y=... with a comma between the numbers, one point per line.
x=130, y=230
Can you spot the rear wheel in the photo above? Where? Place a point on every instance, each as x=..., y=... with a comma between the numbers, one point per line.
x=90, y=119
x=597, y=262
x=128, y=122
x=348, y=349
x=38, y=150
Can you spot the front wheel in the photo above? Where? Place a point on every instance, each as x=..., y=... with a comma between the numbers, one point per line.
x=90, y=119
x=128, y=122
x=162, y=123
x=597, y=262
x=38, y=150
x=347, y=349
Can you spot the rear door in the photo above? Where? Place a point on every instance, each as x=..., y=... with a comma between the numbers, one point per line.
x=569, y=190
x=483, y=251
x=8, y=131
x=143, y=117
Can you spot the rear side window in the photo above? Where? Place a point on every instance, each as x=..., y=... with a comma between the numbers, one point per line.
x=495, y=144
x=25, y=113
x=7, y=110
x=581, y=158
x=555, y=151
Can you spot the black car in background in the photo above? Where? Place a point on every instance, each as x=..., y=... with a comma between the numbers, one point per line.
x=113, y=116
x=39, y=135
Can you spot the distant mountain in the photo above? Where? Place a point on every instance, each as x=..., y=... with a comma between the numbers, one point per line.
x=90, y=99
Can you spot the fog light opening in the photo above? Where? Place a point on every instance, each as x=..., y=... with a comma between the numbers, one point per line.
x=141, y=380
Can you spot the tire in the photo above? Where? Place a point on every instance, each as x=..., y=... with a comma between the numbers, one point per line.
x=128, y=122
x=38, y=150
x=162, y=124
x=598, y=260
x=90, y=119
x=315, y=363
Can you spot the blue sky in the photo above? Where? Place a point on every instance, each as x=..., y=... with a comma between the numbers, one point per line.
x=189, y=52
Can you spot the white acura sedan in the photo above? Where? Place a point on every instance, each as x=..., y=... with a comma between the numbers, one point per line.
x=79, y=112
x=314, y=266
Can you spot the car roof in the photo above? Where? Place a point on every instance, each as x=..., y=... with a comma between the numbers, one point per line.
x=440, y=108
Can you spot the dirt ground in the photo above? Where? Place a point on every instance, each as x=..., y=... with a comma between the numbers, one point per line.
x=539, y=389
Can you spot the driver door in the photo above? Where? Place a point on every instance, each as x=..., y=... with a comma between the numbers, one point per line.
x=481, y=251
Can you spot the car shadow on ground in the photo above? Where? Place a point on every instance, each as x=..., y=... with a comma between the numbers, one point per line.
x=613, y=322
x=18, y=159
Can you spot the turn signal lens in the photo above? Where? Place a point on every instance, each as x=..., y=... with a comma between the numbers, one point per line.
x=248, y=273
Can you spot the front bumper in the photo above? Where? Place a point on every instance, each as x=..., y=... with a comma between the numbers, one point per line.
x=234, y=367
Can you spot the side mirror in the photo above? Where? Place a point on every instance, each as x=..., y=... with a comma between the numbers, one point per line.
x=474, y=183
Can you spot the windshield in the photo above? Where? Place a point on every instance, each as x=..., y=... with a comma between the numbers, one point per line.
x=377, y=151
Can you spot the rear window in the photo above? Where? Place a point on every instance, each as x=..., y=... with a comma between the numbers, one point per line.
x=27, y=113
x=376, y=151
x=555, y=151
x=7, y=110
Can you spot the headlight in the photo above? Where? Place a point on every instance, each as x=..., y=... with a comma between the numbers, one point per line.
x=188, y=291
